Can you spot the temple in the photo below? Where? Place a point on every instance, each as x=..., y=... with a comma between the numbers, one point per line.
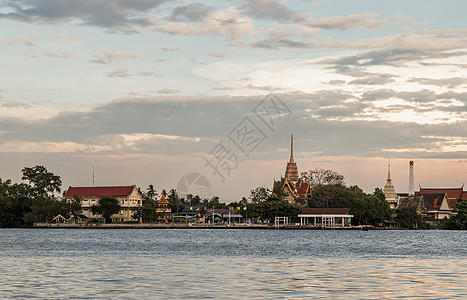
x=292, y=185
x=389, y=190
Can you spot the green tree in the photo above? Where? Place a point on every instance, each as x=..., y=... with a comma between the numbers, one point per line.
x=259, y=194
x=42, y=181
x=410, y=219
x=14, y=204
x=42, y=186
x=106, y=207
x=458, y=221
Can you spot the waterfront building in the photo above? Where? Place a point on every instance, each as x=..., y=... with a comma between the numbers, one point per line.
x=292, y=185
x=128, y=196
x=389, y=190
x=191, y=213
x=163, y=208
x=325, y=217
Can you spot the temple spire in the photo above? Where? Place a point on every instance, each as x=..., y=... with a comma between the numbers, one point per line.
x=291, y=148
x=389, y=168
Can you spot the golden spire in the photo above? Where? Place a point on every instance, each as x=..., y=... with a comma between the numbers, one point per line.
x=291, y=148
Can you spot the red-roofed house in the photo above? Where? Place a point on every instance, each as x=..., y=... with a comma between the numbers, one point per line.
x=129, y=198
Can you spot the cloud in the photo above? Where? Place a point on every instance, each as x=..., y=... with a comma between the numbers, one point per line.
x=331, y=122
x=18, y=41
x=402, y=42
x=115, y=15
x=218, y=54
x=268, y=9
x=230, y=23
x=442, y=82
x=126, y=73
x=347, y=22
x=34, y=34
x=172, y=49
x=105, y=57
x=191, y=13
x=168, y=91
x=60, y=55
x=16, y=104
x=67, y=37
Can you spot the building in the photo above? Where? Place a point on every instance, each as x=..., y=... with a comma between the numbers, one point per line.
x=163, y=210
x=453, y=194
x=434, y=204
x=128, y=196
x=389, y=190
x=292, y=185
x=325, y=217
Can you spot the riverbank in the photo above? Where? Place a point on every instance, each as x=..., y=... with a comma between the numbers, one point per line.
x=189, y=226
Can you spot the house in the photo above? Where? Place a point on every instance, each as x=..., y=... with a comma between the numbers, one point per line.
x=227, y=215
x=128, y=196
x=325, y=217
x=191, y=213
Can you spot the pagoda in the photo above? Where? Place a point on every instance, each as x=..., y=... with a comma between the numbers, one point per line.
x=389, y=190
x=293, y=186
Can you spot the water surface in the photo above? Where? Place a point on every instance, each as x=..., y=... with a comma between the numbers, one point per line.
x=254, y=264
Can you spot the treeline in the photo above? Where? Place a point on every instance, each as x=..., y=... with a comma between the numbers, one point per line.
x=22, y=204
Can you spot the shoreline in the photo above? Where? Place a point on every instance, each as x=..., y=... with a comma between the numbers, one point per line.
x=195, y=226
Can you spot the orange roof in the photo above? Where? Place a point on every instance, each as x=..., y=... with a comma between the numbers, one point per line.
x=162, y=200
x=99, y=191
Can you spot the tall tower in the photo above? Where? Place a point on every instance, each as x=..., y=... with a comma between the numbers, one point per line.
x=411, y=178
x=389, y=190
x=291, y=171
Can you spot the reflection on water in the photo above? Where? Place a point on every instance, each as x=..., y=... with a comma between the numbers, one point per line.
x=233, y=264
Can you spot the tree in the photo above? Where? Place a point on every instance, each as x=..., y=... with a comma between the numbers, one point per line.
x=151, y=192
x=259, y=194
x=14, y=204
x=106, y=207
x=42, y=181
x=458, y=221
x=73, y=206
x=410, y=219
x=319, y=177
x=42, y=186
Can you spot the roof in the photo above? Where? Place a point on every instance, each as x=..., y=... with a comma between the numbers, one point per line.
x=162, y=200
x=433, y=201
x=325, y=211
x=453, y=194
x=99, y=191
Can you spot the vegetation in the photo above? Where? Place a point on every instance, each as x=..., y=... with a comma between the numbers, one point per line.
x=458, y=221
x=106, y=207
x=34, y=200
x=410, y=219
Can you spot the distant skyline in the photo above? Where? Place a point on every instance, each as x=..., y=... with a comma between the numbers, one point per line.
x=147, y=91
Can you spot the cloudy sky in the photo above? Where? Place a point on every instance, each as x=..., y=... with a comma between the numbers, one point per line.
x=147, y=91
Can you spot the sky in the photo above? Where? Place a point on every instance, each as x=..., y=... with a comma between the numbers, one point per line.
x=163, y=92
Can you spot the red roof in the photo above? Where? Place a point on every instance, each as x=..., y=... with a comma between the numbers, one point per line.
x=453, y=194
x=99, y=191
x=325, y=211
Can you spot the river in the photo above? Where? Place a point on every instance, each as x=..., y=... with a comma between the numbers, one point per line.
x=232, y=264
